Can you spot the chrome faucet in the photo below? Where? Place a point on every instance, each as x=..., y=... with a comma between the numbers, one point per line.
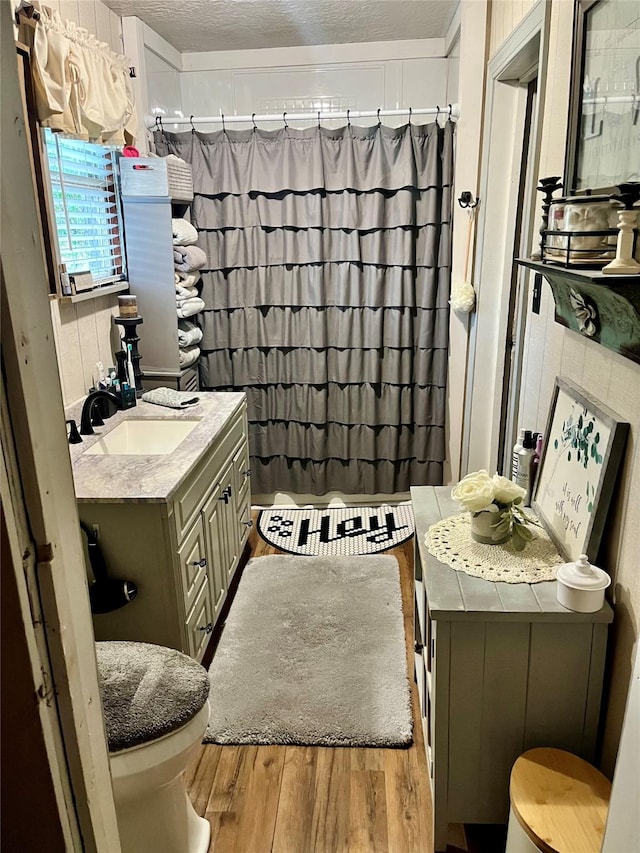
x=85, y=420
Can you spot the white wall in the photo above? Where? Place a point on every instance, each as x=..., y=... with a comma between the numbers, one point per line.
x=551, y=350
x=389, y=75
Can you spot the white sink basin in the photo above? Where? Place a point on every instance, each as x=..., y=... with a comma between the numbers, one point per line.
x=143, y=438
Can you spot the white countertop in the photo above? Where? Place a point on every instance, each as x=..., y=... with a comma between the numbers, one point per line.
x=122, y=478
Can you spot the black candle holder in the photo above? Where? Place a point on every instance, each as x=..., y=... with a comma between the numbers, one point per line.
x=130, y=325
x=547, y=186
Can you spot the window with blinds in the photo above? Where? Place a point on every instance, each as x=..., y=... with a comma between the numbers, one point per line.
x=86, y=207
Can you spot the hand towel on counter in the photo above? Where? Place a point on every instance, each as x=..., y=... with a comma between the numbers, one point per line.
x=189, y=307
x=170, y=397
x=187, y=279
x=184, y=234
x=188, y=258
x=188, y=356
x=188, y=334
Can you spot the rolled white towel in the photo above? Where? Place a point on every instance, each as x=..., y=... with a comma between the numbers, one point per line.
x=188, y=356
x=187, y=279
x=184, y=234
x=188, y=258
x=189, y=307
x=183, y=293
x=188, y=333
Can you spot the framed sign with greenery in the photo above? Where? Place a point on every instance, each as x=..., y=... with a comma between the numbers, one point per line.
x=583, y=449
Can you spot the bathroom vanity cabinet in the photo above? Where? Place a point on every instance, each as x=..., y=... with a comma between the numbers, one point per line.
x=500, y=668
x=182, y=551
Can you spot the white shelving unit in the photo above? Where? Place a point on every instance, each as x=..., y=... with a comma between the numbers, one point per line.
x=149, y=246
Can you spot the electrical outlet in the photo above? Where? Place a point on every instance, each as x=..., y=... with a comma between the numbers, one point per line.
x=96, y=530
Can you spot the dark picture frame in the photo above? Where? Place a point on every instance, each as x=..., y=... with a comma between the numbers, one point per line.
x=583, y=450
x=599, y=126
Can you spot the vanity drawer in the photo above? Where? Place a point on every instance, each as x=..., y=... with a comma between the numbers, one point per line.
x=241, y=468
x=199, y=624
x=192, y=557
x=190, y=499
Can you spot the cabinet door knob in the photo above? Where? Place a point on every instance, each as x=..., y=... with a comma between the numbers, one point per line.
x=224, y=497
x=206, y=628
x=246, y=473
x=248, y=523
x=201, y=563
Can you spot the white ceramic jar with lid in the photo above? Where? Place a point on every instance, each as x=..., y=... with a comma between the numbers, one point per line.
x=581, y=586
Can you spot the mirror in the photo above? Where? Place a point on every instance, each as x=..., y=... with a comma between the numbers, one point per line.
x=603, y=142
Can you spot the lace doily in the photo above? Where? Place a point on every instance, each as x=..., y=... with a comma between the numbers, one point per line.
x=450, y=541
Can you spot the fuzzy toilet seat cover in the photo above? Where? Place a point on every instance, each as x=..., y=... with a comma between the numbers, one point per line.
x=147, y=691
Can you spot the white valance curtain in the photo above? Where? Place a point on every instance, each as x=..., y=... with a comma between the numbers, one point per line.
x=82, y=87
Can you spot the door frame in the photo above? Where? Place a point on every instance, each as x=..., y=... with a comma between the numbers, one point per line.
x=521, y=57
x=37, y=486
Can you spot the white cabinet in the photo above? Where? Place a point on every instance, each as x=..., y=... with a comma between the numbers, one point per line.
x=181, y=553
x=500, y=668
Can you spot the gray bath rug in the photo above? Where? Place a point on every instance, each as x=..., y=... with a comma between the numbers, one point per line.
x=313, y=653
x=337, y=530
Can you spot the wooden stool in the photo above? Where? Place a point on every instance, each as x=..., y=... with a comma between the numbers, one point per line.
x=559, y=804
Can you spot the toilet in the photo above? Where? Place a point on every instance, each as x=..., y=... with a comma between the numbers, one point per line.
x=156, y=713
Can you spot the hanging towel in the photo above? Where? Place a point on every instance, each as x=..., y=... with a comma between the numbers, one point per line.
x=188, y=258
x=187, y=279
x=184, y=234
x=188, y=334
x=190, y=307
x=183, y=293
x=170, y=397
x=188, y=356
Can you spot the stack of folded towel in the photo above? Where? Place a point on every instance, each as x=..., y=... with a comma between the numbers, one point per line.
x=188, y=259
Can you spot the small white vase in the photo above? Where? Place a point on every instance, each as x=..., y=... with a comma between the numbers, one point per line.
x=483, y=530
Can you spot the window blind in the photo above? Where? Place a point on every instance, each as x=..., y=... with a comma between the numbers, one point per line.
x=86, y=207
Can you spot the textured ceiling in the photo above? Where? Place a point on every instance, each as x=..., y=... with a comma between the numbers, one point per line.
x=202, y=25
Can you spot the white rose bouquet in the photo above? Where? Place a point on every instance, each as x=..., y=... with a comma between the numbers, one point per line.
x=479, y=492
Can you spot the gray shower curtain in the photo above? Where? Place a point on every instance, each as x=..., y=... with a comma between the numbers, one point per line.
x=326, y=295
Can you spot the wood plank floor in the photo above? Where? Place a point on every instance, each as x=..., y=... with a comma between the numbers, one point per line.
x=285, y=799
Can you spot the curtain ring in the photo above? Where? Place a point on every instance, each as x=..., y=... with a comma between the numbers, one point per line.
x=450, y=111
x=437, y=113
x=164, y=136
x=318, y=119
x=253, y=119
x=193, y=130
x=224, y=127
x=410, y=114
x=379, y=122
x=348, y=119
x=284, y=119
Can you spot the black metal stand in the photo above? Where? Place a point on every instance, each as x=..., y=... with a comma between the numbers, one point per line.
x=547, y=187
x=131, y=337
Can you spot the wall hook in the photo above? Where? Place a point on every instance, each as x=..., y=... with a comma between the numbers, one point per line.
x=466, y=200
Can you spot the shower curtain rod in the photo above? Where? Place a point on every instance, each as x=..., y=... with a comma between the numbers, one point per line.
x=450, y=110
